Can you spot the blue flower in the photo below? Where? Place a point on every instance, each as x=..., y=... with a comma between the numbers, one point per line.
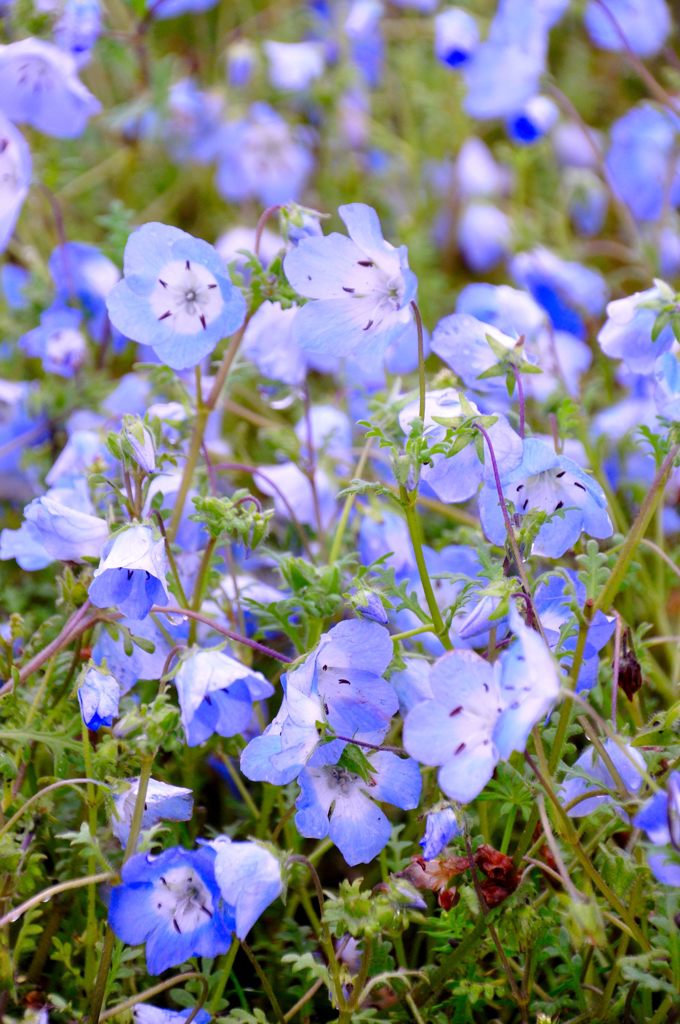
x=642, y=161
x=340, y=683
x=552, y=601
x=588, y=201
x=249, y=877
x=216, y=694
x=667, y=386
x=98, y=696
x=294, y=66
x=16, y=169
x=639, y=25
x=484, y=236
x=262, y=157
x=590, y=773
x=291, y=489
x=162, y=803
x=364, y=34
x=161, y=9
x=565, y=289
x=131, y=574
x=269, y=343
x=440, y=828
x=456, y=35
x=146, y=1013
x=172, y=903
x=338, y=803
x=84, y=275
x=660, y=819
x=193, y=128
x=550, y=483
x=39, y=86
x=58, y=341
x=479, y=713
x=62, y=523
x=361, y=285
x=627, y=332
x=78, y=28
x=533, y=121
x=457, y=477
x=176, y=296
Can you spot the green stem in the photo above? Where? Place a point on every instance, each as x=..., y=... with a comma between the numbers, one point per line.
x=91, y=926
x=199, y=586
x=421, y=360
x=224, y=967
x=347, y=507
x=188, y=473
x=408, y=500
x=43, y=792
x=264, y=981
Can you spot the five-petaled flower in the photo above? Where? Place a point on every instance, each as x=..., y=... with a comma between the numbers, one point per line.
x=176, y=295
x=131, y=573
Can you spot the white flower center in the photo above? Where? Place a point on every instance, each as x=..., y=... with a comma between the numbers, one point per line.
x=380, y=288
x=66, y=347
x=549, y=491
x=186, y=297
x=182, y=898
x=340, y=778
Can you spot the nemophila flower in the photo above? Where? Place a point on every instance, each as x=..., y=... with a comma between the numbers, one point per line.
x=216, y=694
x=231, y=244
x=77, y=29
x=627, y=332
x=262, y=157
x=667, y=386
x=21, y=427
x=192, y=129
x=16, y=169
x=58, y=341
x=131, y=574
x=639, y=25
x=456, y=34
x=294, y=66
x=77, y=458
x=249, y=877
x=98, y=696
x=291, y=490
x=532, y=121
x=479, y=713
x=552, y=602
x=504, y=71
x=339, y=683
x=162, y=9
x=145, y=1013
x=366, y=44
x=591, y=773
x=484, y=236
x=385, y=534
x=175, y=296
x=641, y=161
x=361, y=285
x=161, y=803
x=566, y=290
x=551, y=483
x=659, y=818
x=14, y=279
x=62, y=521
x=173, y=904
x=338, y=803
x=461, y=341
x=477, y=174
x=84, y=275
x=588, y=200
x=457, y=477
x=241, y=62
x=39, y=86
x=269, y=343
x=329, y=431
x=440, y=828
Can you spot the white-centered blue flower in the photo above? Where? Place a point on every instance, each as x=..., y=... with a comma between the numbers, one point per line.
x=176, y=295
x=162, y=802
x=361, y=286
x=249, y=877
x=552, y=483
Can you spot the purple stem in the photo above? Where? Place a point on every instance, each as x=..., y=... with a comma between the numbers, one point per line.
x=521, y=399
x=229, y=633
